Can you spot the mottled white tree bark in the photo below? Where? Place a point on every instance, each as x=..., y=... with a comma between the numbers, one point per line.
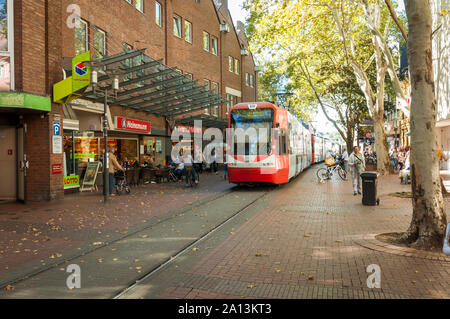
x=428, y=223
x=375, y=102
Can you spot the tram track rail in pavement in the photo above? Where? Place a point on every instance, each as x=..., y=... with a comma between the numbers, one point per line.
x=50, y=282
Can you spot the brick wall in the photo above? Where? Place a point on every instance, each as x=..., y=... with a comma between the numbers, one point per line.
x=230, y=47
x=38, y=65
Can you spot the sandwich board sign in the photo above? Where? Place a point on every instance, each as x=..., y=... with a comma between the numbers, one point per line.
x=90, y=177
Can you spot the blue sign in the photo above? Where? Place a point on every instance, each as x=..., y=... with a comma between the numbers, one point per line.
x=56, y=129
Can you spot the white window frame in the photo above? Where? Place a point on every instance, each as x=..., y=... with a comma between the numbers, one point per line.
x=209, y=41
x=86, y=33
x=214, y=49
x=10, y=52
x=230, y=66
x=186, y=22
x=104, y=40
x=207, y=110
x=140, y=9
x=158, y=10
x=178, y=18
x=215, y=87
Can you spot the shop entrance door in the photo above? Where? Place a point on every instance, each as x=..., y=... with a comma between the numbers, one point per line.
x=22, y=163
x=8, y=164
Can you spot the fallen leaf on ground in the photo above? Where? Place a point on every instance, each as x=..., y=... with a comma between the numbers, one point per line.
x=9, y=287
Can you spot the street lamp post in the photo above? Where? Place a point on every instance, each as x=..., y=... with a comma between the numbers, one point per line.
x=115, y=86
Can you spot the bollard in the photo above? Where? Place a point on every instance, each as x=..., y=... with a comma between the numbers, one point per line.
x=446, y=248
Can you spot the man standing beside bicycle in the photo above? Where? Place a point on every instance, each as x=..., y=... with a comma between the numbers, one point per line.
x=356, y=162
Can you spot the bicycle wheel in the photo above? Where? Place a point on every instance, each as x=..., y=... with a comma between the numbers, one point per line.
x=118, y=190
x=342, y=173
x=322, y=174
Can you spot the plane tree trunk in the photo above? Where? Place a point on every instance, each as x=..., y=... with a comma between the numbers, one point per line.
x=428, y=224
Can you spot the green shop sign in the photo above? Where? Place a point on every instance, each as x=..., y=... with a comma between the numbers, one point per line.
x=25, y=101
x=71, y=181
x=72, y=88
x=83, y=156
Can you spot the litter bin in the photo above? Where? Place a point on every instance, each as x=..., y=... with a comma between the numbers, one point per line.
x=369, y=188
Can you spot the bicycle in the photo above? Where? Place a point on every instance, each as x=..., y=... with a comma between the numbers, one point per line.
x=327, y=173
x=121, y=183
x=191, y=179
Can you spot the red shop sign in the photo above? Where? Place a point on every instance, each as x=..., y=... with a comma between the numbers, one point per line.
x=188, y=129
x=123, y=123
x=57, y=169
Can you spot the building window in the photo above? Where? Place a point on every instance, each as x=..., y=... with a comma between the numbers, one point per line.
x=247, y=83
x=158, y=14
x=230, y=64
x=6, y=46
x=206, y=84
x=139, y=5
x=214, y=45
x=236, y=66
x=81, y=37
x=128, y=63
x=188, y=31
x=252, y=81
x=215, y=89
x=177, y=26
x=99, y=43
x=232, y=101
x=205, y=41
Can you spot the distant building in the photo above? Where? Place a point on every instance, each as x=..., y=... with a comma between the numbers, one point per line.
x=441, y=64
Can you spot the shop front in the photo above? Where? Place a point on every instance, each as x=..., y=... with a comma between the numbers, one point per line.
x=128, y=137
x=17, y=110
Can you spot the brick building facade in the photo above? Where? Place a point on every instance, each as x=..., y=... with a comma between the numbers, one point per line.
x=198, y=38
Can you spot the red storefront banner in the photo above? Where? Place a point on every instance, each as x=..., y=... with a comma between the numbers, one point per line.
x=188, y=129
x=123, y=123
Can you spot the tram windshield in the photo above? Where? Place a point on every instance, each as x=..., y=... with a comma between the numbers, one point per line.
x=252, y=131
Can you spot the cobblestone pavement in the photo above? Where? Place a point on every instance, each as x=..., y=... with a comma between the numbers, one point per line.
x=307, y=240
x=36, y=236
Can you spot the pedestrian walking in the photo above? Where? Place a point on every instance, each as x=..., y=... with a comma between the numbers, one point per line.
x=356, y=162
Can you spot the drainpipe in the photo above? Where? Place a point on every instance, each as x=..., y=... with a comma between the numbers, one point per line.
x=166, y=22
x=446, y=248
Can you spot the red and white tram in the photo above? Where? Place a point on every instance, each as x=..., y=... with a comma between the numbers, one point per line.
x=279, y=151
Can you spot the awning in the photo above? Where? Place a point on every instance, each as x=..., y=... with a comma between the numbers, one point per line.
x=207, y=120
x=148, y=85
x=70, y=120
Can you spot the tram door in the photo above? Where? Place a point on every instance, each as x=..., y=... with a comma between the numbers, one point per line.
x=8, y=168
